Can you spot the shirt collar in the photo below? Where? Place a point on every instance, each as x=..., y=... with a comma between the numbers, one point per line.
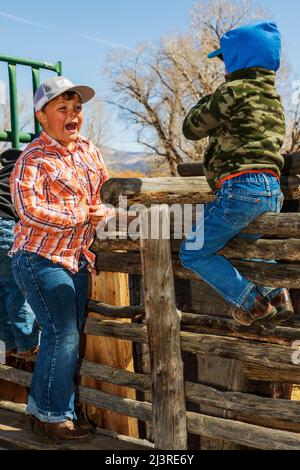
x=251, y=73
x=49, y=141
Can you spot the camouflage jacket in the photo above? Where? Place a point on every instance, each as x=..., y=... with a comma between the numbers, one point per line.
x=244, y=120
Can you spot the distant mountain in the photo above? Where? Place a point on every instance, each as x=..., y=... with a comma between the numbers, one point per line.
x=118, y=161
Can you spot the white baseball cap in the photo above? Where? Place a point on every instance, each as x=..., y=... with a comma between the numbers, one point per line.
x=55, y=86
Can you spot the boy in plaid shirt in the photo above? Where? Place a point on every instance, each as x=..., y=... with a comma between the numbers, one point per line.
x=55, y=187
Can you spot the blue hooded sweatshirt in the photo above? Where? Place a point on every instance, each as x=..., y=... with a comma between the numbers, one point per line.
x=253, y=45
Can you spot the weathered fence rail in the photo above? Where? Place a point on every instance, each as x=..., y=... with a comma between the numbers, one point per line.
x=197, y=372
x=191, y=188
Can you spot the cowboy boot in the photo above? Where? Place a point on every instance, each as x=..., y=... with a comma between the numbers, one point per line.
x=262, y=311
x=63, y=431
x=283, y=304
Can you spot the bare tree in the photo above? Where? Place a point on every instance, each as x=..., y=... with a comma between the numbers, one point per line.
x=211, y=21
x=292, y=143
x=154, y=90
x=291, y=94
x=155, y=87
x=96, y=126
x=25, y=118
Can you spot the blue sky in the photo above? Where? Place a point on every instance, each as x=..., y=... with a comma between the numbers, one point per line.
x=80, y=33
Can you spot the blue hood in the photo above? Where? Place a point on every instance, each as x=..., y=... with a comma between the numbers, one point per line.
x=253, y=45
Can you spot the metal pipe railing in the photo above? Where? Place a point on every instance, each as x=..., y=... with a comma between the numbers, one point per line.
x=15, y=136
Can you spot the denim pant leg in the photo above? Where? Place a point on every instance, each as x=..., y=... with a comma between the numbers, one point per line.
x=276, y=206
x=264, y=290
x=52, y=294
x=237, y=204
x=18, y=328
x=216, y=270
x=6, y=334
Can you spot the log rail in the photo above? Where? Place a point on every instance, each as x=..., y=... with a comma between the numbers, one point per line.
x=178, y=317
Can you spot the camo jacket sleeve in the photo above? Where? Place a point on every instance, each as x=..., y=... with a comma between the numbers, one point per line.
x=210, y=113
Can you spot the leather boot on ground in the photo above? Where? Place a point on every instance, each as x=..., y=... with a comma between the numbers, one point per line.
x=64, y=431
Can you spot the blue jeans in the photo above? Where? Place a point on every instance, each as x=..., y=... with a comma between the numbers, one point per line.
x=58, y=298
x=238, y=203
x=18, y=328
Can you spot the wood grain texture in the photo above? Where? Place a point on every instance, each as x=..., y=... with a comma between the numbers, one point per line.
x=113, y=289
x=163, y=326
x=174, y=190
x=274, y=275
x=15, y=433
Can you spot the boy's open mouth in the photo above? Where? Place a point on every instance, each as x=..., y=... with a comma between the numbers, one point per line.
x=72, y=126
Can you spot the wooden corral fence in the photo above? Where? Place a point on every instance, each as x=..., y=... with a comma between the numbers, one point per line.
x=201, y=380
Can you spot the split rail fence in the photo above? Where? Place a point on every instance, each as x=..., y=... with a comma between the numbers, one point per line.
x=202, y=381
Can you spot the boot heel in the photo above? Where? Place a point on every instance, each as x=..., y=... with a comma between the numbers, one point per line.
x=267, y=318
x=37, y=426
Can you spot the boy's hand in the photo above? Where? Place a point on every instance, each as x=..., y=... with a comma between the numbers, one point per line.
x=99, y=213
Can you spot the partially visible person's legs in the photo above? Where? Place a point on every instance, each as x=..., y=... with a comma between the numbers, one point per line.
x=53, y=292
x=264, y=290
x=81, y=283
x=6, y=334
x=18, y=327
x=237, y=204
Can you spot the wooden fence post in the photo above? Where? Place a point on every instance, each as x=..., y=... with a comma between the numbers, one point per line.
x=163, y=324
x=111, y=288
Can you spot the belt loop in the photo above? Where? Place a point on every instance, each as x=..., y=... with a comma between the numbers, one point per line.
x=267, y=183
x=229, y=187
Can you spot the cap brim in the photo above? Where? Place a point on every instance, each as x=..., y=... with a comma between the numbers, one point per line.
x=213, y=54
x=86, y=92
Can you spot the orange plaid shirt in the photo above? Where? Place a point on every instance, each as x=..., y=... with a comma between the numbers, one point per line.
x=50, y=186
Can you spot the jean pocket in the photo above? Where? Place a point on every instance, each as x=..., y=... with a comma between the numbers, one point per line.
x=239, y=211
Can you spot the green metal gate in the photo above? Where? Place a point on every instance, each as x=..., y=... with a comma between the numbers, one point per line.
x=15, y=136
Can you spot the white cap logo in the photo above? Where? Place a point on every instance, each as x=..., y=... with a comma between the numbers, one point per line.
x=62, y=83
